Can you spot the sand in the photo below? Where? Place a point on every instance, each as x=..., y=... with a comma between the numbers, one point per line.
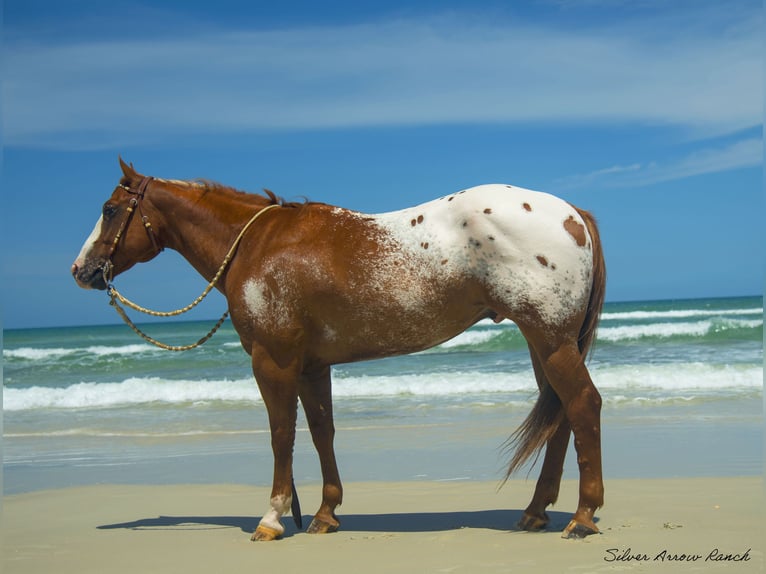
x=716, y=524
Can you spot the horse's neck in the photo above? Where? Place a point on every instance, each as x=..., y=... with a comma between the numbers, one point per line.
x=203, y=226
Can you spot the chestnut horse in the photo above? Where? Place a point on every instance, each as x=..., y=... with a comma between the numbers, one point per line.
x=312, y=285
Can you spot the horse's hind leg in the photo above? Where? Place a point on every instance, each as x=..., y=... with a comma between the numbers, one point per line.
x=316, y=397
x=547, y=489
x=567, y=374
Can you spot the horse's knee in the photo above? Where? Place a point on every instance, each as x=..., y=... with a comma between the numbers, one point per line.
x=569, y=377
x=332, y=495
x=590, y=396
x=584, y=410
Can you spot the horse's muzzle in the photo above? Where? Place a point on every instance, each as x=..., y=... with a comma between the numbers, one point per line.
x=89, y=276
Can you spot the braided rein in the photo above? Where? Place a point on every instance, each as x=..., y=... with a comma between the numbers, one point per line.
x=116, y=298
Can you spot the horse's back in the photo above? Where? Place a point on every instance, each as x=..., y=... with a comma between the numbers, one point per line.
x=528, y=248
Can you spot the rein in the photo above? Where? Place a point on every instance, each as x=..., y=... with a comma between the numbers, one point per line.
x=115, y=296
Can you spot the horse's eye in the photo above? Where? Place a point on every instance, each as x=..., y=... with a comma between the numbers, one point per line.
x=109, y=210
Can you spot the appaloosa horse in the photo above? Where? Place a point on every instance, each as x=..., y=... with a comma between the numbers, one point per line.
x=311, y=285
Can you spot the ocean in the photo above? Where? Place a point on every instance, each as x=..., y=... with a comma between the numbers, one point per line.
x=681, y=381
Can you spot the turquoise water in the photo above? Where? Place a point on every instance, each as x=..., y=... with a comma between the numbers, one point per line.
x=682, y=381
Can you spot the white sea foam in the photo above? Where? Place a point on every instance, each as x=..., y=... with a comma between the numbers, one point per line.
x=43, y=354
x=670, y=379
x=132, y=391
x=95, y=432
x=667, y=330
x=470, y=338
x=649, y=315
x=664, y=325
x=102, y=350
x=662, y=380
x=434, y=384
x=35, y=354
x=678, y=314
x=662, y=330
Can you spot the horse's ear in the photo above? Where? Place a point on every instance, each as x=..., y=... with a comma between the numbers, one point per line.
x=128, y=170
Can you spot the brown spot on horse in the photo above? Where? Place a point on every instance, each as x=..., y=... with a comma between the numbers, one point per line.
x=576, y=230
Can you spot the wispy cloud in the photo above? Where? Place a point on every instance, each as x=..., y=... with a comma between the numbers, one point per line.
x=397, y=72
x=741, y=154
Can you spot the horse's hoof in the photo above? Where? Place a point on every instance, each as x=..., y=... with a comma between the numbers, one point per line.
x=533, y=523
x=265, y=534
x=576, y=530
x=321, y=527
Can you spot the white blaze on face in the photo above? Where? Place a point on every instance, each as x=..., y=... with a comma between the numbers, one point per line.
x=88, y=245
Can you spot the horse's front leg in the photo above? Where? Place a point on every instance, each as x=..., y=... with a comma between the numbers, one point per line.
x=279, y=390
x=316, y=397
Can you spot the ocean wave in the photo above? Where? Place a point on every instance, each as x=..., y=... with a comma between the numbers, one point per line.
x=656, y=381
x=471, y=338
x=433, y=384
x=701, y=324
x=509, y=337
x=103, y=350
x=35, y=354
x=132, y=391
x=103, y=433
x=45, y=354
x=678, y=314
x=672, y=378
x=679, y=329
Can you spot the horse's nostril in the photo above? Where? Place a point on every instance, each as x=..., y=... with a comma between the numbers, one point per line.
x=75, y=269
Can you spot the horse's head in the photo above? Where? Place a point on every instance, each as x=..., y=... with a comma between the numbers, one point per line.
x=122, y=237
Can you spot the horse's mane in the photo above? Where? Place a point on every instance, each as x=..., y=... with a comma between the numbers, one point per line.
x=272, y=198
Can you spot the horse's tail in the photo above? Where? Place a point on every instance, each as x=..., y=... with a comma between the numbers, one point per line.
x=547, y=414
x=598, y=287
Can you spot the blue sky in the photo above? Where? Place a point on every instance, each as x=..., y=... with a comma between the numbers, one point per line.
x=647, y=113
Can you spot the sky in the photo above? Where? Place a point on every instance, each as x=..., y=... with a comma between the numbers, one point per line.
x=646, y=113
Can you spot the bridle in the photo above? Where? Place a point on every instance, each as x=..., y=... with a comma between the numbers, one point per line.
x=135, y=203
x=115, y=296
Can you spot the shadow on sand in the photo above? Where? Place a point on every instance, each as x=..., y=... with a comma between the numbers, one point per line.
x=503, y=520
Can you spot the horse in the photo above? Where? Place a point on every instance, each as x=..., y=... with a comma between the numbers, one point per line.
x=311, y=285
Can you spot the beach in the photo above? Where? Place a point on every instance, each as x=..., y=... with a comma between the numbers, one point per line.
x=119, y=457
x=650, y=525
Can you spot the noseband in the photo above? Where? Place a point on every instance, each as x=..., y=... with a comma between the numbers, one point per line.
x=135, y=202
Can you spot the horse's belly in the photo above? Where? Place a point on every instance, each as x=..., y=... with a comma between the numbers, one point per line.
x=382, y=334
